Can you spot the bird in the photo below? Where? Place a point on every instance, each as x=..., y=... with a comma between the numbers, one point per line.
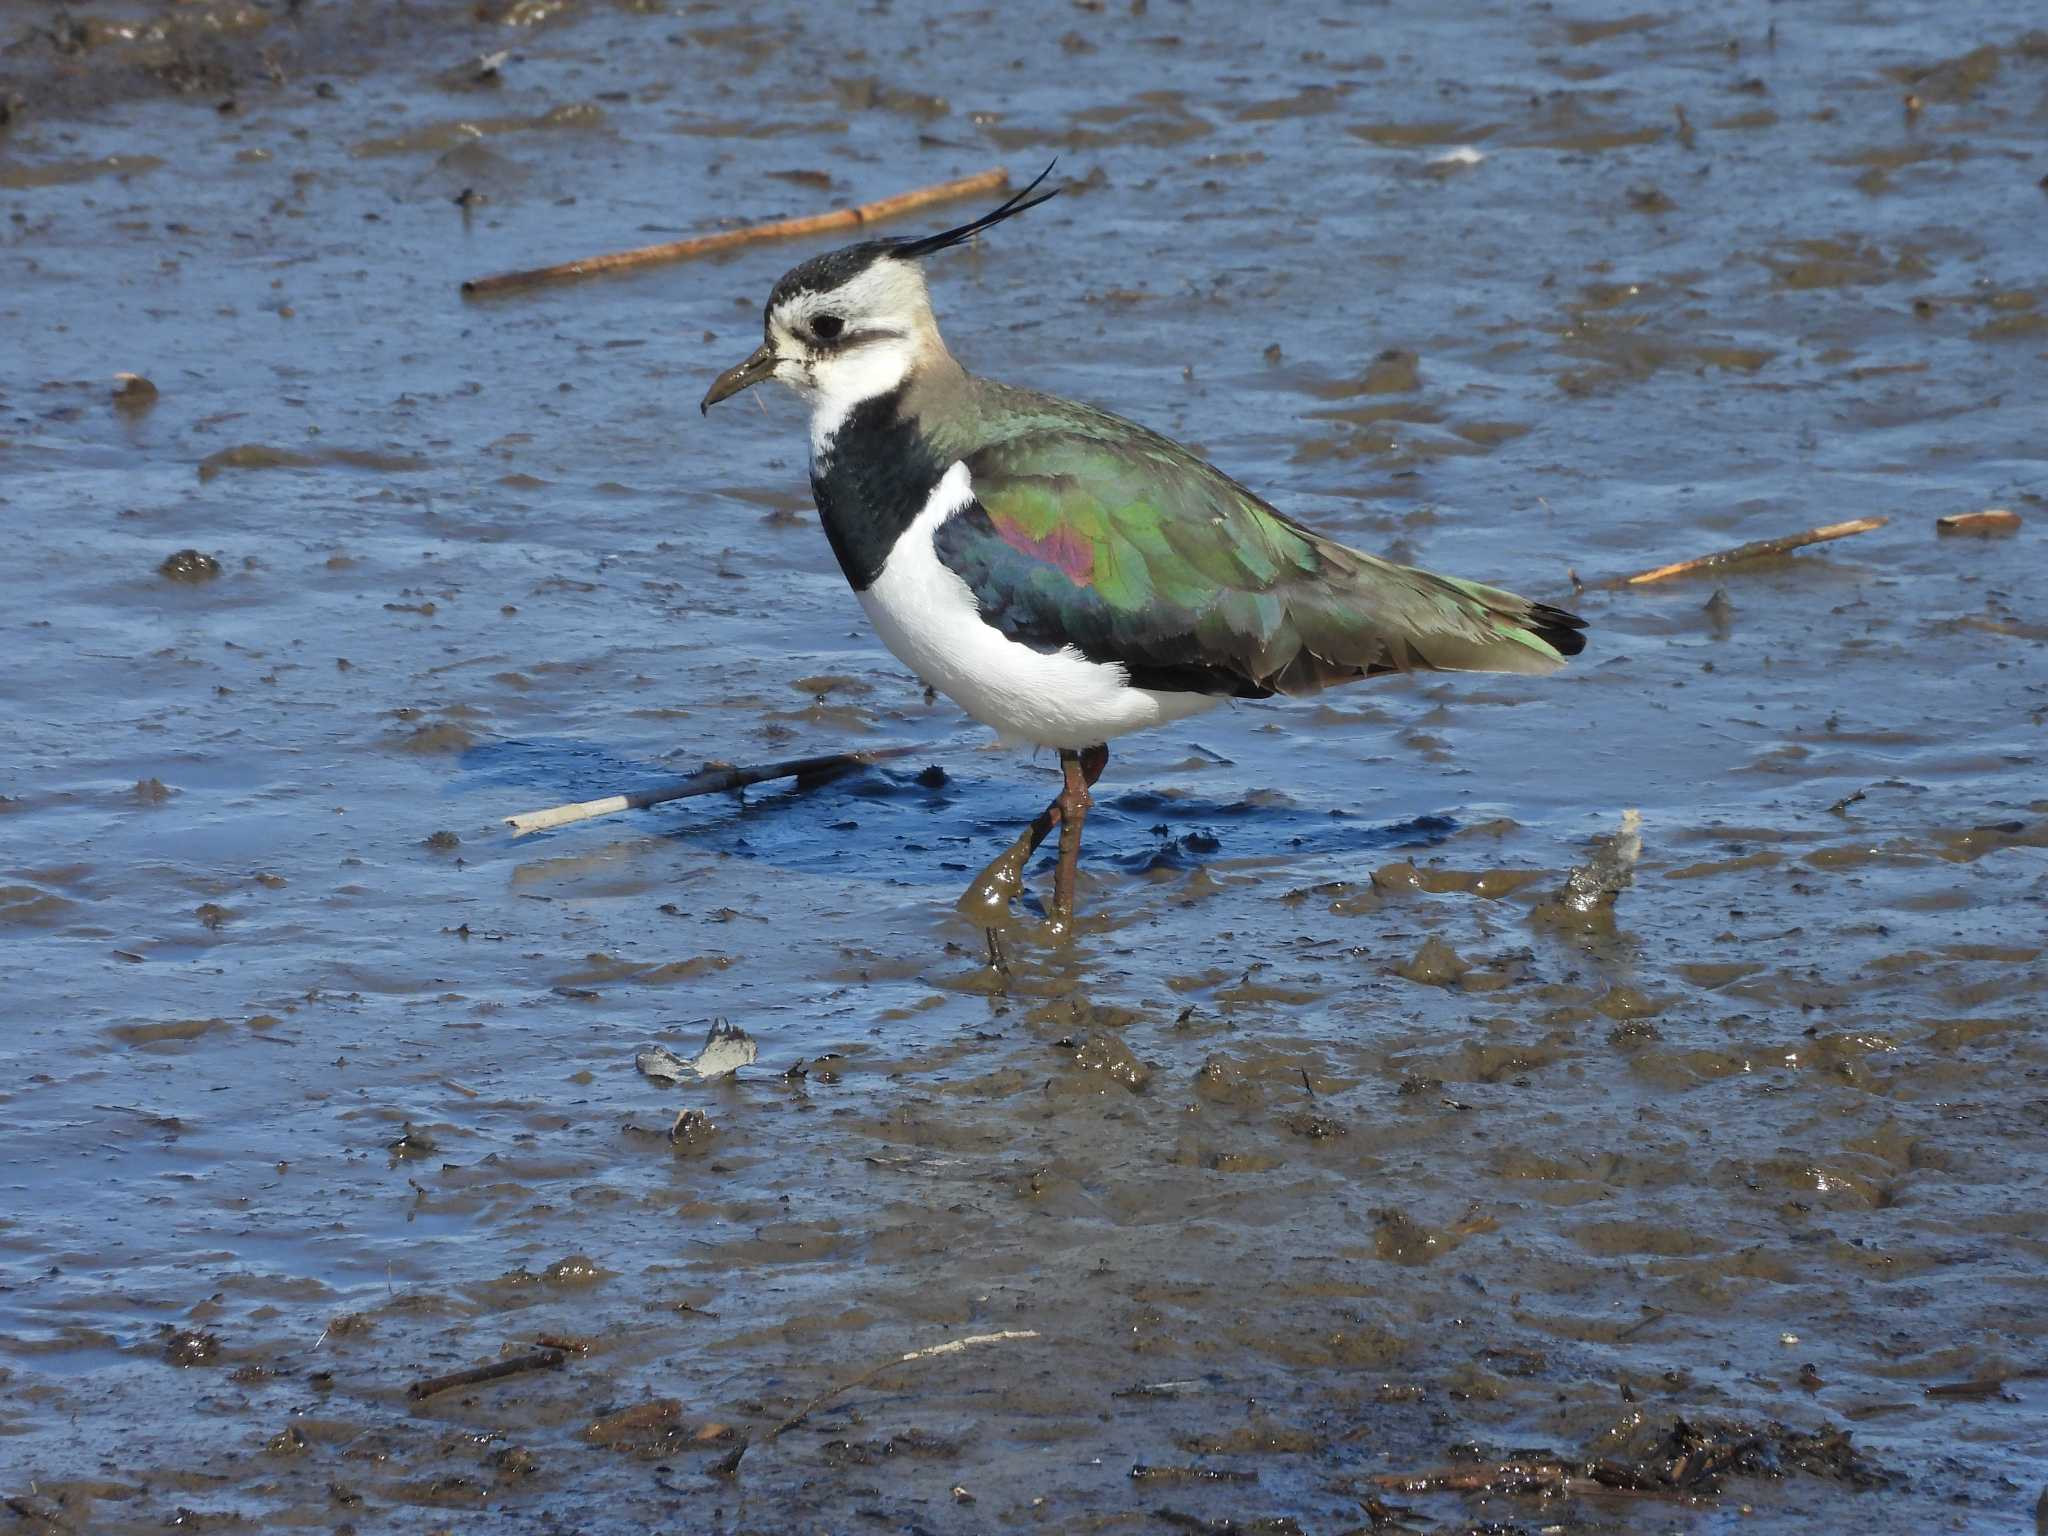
x=1067, y=576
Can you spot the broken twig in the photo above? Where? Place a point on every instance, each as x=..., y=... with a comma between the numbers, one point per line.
x=512, y=1365
x=1983, y=1386
x=929, y=1352
x=710, y=782
x=1995, y=522
x=727, y=239
x=1761, y=549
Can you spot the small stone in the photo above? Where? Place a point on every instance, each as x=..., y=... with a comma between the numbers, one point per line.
x=692, y=1133
x=189, y=565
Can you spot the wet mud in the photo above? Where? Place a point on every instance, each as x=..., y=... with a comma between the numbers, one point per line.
x=1405, y=1140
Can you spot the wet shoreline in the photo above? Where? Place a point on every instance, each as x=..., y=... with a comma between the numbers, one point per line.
x=1330, y=1167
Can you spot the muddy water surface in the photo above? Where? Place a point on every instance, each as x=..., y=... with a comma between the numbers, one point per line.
x=1335, y=1147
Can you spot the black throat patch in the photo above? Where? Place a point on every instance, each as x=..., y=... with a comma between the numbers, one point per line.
x=870, y=484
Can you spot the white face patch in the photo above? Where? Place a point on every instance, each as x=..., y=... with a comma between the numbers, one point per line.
x=884, y=327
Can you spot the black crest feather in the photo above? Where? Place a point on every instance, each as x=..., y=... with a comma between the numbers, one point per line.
x=927, y=244
x=827, y=271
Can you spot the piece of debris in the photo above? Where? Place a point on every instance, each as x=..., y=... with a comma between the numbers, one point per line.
x=726, y=1049
x=497, y=1370
x=663, y=1065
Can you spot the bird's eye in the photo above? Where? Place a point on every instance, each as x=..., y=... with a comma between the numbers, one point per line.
x=827, y=327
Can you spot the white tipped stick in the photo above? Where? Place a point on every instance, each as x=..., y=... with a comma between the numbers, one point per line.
x=562, y=815
x=929, y=1352
x=710, y=782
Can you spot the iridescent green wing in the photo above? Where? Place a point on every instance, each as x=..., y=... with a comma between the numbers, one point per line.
x=1091, y=532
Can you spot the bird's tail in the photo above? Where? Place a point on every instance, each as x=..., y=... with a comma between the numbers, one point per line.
x=1378, y=617
x=1514, y=634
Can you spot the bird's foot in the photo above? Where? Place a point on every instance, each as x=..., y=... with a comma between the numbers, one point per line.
x=986, y=901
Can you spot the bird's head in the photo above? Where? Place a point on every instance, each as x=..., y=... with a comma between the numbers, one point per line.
x=854, y=323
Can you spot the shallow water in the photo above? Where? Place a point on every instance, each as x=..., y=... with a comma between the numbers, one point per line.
x=289, y=1072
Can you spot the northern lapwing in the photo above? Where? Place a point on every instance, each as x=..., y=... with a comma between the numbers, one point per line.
x=1067, y=576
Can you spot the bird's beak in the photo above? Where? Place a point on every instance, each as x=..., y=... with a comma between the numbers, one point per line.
x=761, y=365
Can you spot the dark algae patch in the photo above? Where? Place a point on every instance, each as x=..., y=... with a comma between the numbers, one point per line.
x=1410, y=1138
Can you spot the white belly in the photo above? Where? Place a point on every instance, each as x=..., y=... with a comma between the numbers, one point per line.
x=928, y=617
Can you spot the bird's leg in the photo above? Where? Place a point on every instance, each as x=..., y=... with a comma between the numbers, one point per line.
x=987, y=899
x=1082, y=769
